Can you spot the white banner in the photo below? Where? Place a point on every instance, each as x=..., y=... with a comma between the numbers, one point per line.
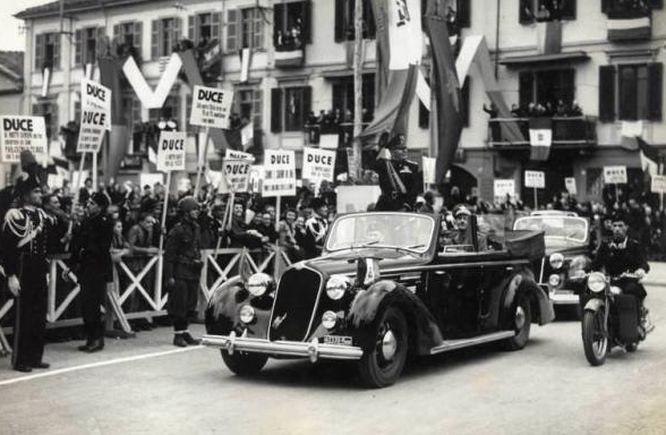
x=405, y=33
x=329, y=141
x=658, y=184
x=318, y=165
x=535, y=179
x=78, y=178
x=541, y=137
x=570, y=184
x=428, y=164
x=150, y=99
x=171, y=151
x=238, y=155
x=93, y=128
x=632, y=128
x=615, y=174
x=211, y=107
x=279, y=173
x=94, y=95
x=236, y=176
x=256, y=176
x=503, y=187
x=247, y=135
x=19, y=133
x=245, y=64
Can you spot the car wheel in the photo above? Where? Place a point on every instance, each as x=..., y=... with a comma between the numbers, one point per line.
x=595, y=337
x=244, y=364
x=521, y=322
x=384, y=358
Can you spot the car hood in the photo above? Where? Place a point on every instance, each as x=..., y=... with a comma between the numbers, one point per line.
x=344, y=262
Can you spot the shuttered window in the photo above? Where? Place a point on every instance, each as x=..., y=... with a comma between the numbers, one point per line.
x=128, y=37
x=276, y=110
x=249, y=105
x=463, y=13
x=85, y=45
x=639, y=91
x=291, y=24
x=47, y=51
x=203, y=28
x=344, y=20
x=165, y=34
x=245, y=29
x=607, y=93
x=290, y=108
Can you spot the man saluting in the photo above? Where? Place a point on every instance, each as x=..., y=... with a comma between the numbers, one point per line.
x=399, y=178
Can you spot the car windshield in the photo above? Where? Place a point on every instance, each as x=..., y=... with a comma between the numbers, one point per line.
x=563, y=227
x=408, y=232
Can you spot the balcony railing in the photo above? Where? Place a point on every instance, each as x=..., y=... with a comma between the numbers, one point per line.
x=629, y=21
x=567, y=131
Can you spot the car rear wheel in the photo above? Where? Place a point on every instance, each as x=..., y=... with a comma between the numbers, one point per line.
x=244, y=364
x=521, y=322
x=384, y=358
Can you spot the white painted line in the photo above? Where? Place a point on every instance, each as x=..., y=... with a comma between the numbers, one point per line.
x=48, y=373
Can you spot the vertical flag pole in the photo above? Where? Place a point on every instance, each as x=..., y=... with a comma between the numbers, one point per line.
x=617, y=193
x=277, y=212
x=94, y=170
x=160, y=261
x=201, y=162
x=536, y=200
x=77, y=194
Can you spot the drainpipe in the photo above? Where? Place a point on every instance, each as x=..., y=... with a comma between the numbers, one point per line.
x=497, y=35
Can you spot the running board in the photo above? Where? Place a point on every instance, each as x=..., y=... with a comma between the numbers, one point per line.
x=448, y=345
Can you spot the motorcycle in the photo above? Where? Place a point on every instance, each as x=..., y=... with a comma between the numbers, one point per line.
x=611, y=318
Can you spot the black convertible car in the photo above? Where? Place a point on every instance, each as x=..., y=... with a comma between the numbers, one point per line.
x=387, y=284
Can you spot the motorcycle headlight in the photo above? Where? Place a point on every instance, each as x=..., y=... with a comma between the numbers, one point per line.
x=596, y=282
x=246, y=314
x=258, y=283
x=329, y=319
x=556, y=260
x=336, y=286
x=554, y=280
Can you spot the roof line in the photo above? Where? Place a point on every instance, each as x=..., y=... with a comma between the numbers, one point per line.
x=37, y=12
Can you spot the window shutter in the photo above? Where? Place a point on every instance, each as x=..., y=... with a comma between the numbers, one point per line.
x=605, y=4
x=369, y=25
x=116, y=33
x=102, y=46
x=307, y=104
x=306, y=32
x=216, y=19
x=656, y=4
x=232, y=30
x=258, y=107
x=655, y=86
x=191, y=35
x=606, y=93
x=39, y=51
x=464, y=102
x=463, y=13
x=78, y=48
x=627, y=86
x=526, y=15
x=568, y=9
x=138, y=38
x=339, y=20
x=54, y=119
x=525, y=88
x=424, y=116
x=257, y=29
x=56, y=51
x=276, y=110
x=177, y=31
x=278, y=21
x=155, y=39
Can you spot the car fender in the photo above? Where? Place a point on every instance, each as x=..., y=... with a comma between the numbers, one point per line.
x=523, y=283
x=595, y=304
x=424, y=333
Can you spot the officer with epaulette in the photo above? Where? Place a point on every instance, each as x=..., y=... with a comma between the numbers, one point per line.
x=182, y=270
x=93, y=256
x=399, y=178
x=24, y=250
x=316, y=228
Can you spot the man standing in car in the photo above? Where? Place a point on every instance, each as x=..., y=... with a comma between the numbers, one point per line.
x=316, y=228
x=399, y=178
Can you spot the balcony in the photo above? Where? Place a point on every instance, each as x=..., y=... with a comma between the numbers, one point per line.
x=568, y=132
x=628, y=21
x=289, y=54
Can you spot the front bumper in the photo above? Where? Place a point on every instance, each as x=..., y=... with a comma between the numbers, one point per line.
x=558, y=297
x=312, y=349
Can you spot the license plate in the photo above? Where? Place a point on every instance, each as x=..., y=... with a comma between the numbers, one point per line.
x=338, y=339
x=564, y=292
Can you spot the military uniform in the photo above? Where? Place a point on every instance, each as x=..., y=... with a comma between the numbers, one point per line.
x=400, y=182
x=315, y=232
x=24, y=254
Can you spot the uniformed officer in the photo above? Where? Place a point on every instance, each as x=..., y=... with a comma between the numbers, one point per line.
x=24, y=249
x=93, y=256
x=316, y=228
x=399, y=178
x=182, y=270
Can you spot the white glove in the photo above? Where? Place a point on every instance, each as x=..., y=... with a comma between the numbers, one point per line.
x=640, y=273
x=384, y=154
x=14, y=285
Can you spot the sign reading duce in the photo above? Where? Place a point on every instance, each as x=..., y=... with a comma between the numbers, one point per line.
x=570, y=184
x=535, y=179
x=21, y=133
x=236, y=176
x=504, y=187
x=211, y=107
x=318, y=165
x=658, y=184
x=279, y=173
x=96, y=96
x=615, y=174
x=171, y=151
x=92, y=131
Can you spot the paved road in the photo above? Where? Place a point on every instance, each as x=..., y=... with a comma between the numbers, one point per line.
x=144, y=385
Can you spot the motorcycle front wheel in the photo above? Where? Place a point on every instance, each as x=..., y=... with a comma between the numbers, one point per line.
x=595, y=337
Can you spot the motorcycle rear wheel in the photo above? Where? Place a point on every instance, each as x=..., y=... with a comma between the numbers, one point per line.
x=595, y=337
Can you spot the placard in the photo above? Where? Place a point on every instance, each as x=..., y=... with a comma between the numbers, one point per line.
x=535, y=179
x=570, y=185
x=256, y=176
x=615, y=174
x=92, y=131
x=428, y=164
x=329, y=141
x=171, y=151
x=211, y=107
x=658, y=184
x=503, y=187
x=238, y=155
x=236, y=176
x=318, y=165
x=20, y=133
x=279, y=173
x=94, y=95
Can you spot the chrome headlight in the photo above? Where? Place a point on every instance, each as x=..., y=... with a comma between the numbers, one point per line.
x=556, y=260
x=554, y=280
x=329, y=319
x=246, y=314
x=336, y=286
x=596, y=282
x=258, y=283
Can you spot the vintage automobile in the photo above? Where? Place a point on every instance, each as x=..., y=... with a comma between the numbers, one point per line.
x=384, y=286
x=568, y=254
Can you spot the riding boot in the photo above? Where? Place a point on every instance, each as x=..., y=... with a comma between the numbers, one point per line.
x=646, y=322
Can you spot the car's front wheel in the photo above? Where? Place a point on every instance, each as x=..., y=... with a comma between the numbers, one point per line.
x=244, y=364
x=521, y=321
x=384, y=358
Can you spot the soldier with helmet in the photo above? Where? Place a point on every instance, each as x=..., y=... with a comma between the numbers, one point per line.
x=182, y=270
x=24, y=249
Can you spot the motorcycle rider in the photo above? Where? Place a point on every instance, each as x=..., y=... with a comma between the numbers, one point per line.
x=621, y=255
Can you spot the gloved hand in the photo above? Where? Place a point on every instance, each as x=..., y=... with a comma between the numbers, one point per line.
x=384, y=154
x=14, y=285
x=640, y=273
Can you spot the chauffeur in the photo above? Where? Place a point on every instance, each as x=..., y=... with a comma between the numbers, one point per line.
x=24, y=245
x=93, y=254
x=399, y=178
x=182, y=270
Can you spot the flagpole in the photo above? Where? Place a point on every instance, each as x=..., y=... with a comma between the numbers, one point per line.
x=201, y=162
x=536, y=201
x=358, y=86
x=77, y=194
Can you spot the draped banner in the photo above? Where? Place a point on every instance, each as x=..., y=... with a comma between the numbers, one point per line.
x=380, y=11
x=109, y=76
x=404, y=33
x=149, y=98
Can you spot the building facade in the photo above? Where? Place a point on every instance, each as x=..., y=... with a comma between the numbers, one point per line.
x=11, y=94
x=601, y=55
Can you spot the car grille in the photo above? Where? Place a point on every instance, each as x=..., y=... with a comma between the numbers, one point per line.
x=295, y=304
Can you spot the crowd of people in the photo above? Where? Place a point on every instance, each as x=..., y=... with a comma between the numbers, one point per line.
x=547, y=109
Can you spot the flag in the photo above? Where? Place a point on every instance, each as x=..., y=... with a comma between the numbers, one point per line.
x=245, y=54
x=247, y=136
x=446, y=88
x=649, y=156
x=541, y=137
x=628, y=24
x=46, y=81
